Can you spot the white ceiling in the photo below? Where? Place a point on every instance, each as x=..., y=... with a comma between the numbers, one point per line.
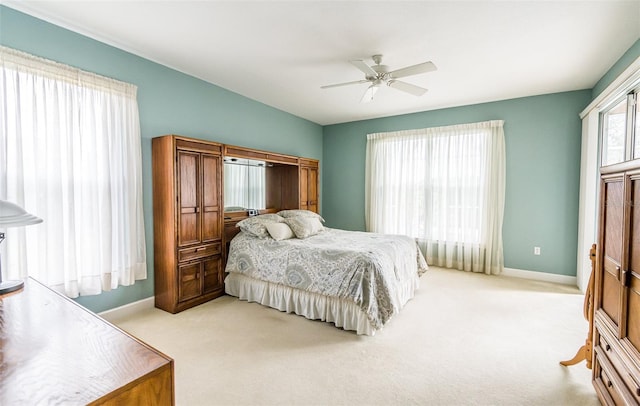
x=281, y=52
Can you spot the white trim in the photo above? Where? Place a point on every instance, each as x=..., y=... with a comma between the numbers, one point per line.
x=128, y=309
x=540, y=276
x=626, y=81
x=588, y=207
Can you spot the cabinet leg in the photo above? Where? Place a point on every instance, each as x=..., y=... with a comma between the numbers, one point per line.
x=580, y=355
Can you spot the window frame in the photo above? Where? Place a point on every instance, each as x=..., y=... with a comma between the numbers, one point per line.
x=631, y=128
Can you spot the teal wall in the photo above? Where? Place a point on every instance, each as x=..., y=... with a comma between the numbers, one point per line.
x=543, y=138
x=170, y=103
x=621, y=64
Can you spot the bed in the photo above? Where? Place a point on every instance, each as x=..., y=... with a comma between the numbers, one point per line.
x=356, y=280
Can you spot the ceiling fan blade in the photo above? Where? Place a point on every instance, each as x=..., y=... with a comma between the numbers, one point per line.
x=369, y=93
x=366, y=69
x=407, y=87
x=356, y=82
x=413, y=70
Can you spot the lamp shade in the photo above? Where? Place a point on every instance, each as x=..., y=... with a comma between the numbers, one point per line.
x=12, y=215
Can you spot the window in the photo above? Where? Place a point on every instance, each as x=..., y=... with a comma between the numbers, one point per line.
x=621, y=131
x=443, y=186
x=70, y=153
x=614, y=126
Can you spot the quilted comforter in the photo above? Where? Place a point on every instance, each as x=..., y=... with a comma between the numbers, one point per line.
x=367, y=268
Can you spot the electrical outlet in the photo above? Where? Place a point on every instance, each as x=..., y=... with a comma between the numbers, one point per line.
x=536, y=250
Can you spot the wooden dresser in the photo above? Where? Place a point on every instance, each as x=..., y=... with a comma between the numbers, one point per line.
x=616, y=363
x=54, y=351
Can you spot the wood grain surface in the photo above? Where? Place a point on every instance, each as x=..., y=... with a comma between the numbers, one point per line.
x=54, y=351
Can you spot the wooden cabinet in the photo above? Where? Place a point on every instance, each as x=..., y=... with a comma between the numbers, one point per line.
x=54, y=351
x=188, y=222
x=309, y=184
x=616, y=367
x=191, y=234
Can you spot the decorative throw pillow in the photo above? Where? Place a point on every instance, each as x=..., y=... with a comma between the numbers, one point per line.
x=257, y=225
x=279, y=231
x=299, y=213
x=304, y=227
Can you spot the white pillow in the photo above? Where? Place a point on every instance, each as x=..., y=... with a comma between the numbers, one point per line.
x=299, y=213
x=279, y=231
x=304, y=227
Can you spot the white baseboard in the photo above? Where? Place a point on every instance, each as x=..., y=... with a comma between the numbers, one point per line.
x=540, y=276
x=148, y=303
x=128, y=309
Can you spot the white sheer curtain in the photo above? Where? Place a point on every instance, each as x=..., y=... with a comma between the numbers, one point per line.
x=235, y=186
x=244, y=186
x=70, y=154
x=257, y=187
x=443, y=186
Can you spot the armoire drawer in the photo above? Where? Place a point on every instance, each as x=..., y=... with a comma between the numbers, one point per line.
x=610, y=387
x=200, y=251
x=612, y=350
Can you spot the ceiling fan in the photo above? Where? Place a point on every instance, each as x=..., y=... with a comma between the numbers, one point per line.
x=379, y=75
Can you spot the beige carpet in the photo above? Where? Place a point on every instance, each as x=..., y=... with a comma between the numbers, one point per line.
x=465, y=339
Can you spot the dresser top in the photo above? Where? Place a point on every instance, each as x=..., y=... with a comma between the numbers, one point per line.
x=54, y=351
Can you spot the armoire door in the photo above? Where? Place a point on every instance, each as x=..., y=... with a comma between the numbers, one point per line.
x=189, y=281
x=309, y=188
x=612, y=217
x=630, y=323
x=188, y=198
x=312, y=189
x=304, y=188
x=211, y=181
x=213, y=274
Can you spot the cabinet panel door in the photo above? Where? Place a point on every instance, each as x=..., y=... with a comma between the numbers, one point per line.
x=631, y=305
x=211, y=181
x=313, y=189
x=613, y=215
x=304, y=188
x=188, y=198
x=189, y=281
x=213, y=274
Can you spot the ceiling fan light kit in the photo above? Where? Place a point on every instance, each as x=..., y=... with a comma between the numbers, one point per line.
x=378, y=74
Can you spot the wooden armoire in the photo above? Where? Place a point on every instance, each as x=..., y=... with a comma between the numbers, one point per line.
x=188, y=222
x=616, y=341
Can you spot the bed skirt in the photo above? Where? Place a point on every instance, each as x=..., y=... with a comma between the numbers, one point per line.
x=341, y=312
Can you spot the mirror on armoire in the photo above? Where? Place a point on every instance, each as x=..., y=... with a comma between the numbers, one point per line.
x=244, y=184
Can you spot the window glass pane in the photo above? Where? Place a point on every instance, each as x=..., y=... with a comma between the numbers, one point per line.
x=613, y=134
